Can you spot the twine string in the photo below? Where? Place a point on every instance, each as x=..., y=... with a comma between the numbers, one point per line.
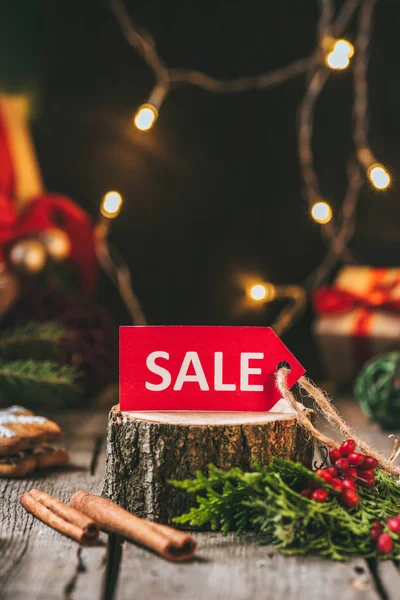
x=325, y=407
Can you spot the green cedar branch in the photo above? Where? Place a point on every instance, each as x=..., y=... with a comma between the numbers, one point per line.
x=268, y=501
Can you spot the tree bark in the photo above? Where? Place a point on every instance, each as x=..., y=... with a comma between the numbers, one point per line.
x=145, y=450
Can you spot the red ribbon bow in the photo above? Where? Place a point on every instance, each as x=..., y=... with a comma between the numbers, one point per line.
x=332, y=300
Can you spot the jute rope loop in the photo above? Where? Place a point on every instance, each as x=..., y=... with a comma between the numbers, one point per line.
x=324, y=406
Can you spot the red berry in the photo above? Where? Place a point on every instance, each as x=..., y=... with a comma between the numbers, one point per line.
x=349, y=498
x=319, y=495
x=369, y=463
x=342, y=464
x=367, y=474
x=306, y=493
x=350, y=473
x=332, y=471
x=377, y=524
x=324, y=475
x=347, y=447
x=376, y=530
x=355, y=459
x=394, y=524
x=348, y=484
x=366, y=483
x=337, y=484
x=384, y=543
x=334, y=455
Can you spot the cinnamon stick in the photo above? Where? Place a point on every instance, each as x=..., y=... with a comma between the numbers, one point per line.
x=37, y=509
x=168, y=542
x=68, y=513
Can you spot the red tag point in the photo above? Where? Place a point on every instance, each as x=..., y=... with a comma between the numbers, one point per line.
x=202, y=368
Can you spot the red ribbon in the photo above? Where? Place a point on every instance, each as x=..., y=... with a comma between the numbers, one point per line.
x=333, y=301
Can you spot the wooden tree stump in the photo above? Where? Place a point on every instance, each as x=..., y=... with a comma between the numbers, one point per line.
x=145, y=450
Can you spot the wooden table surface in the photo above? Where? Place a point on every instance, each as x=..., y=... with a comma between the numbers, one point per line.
x=39, y=563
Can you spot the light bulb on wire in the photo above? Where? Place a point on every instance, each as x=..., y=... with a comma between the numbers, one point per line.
x=111, y=204
x=147, y=114
x=145, y=117
x=338, y=58
x=258, y=292
x=379, y=176
x=344, y=47
x=321, y=212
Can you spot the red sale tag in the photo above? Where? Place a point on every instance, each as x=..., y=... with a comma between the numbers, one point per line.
x=201, y=368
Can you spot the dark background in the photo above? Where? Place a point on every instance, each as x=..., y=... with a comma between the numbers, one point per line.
x=212, y=193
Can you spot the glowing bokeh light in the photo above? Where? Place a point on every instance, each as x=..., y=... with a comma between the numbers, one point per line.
x=344, y=47
x=258, y=292
x=146, y=117
x=321, y=212
x=111, y=205
x=337, y=61
x=379, y=177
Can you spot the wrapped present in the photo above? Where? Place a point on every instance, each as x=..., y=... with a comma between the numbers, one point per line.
x=357, y=318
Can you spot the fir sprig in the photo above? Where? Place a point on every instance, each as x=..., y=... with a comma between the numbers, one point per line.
x=40, y=338
x=37, y=382
x=268, y=501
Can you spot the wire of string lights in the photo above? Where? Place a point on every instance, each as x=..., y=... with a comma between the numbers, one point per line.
x=331, y=53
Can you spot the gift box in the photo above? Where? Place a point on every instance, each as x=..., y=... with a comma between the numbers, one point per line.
x=357, y=318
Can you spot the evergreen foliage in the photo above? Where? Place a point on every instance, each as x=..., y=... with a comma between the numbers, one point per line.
x=268, y=501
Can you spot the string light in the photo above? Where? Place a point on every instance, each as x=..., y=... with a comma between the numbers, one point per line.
x=294, y=296
x=336, y=61
x=337, y=52
x=258, y=292
x=321, y=212
x=145, y=117
x=344, y=47
x=111, y=204
x=147, y=114
x=339, y=57
x=379, y=177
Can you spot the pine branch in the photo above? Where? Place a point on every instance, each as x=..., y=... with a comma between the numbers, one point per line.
x=31, y=382
x=268, y=501
x=36, y=337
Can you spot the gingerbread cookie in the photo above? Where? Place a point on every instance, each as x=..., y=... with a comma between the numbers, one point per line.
x=20, y=429
x=26, y=461
x=50, y=456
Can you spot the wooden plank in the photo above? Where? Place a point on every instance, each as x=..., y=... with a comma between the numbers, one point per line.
x=238, y=568
x=388, y=576
x=38, y=562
